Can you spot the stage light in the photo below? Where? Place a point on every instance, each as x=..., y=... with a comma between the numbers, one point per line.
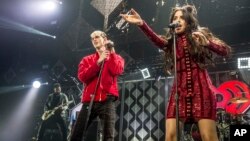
x=244, y=63
x=44, y=7
x=36, y=84
x=8, y=24
x=145, y=73
x=18, y=121
x=48, y=6
x=58, y=1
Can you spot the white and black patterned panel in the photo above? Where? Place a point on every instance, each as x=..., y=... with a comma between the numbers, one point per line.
x=142, y=111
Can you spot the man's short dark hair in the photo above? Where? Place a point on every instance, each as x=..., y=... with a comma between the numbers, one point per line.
x=56, y=85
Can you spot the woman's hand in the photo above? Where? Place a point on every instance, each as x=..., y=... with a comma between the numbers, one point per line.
x=200, y=39
x=132, y=17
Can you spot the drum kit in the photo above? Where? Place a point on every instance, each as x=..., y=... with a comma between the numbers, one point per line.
x=224, y=120
x=224, y=117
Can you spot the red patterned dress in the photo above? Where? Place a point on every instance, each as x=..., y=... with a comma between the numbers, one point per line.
x=196, y=93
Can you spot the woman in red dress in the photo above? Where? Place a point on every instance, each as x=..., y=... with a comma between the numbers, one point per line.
x=195, y=46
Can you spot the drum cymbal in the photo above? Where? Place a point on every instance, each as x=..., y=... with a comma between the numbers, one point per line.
x=239, y=100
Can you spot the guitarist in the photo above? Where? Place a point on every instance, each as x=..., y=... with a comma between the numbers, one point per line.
x=57, y=101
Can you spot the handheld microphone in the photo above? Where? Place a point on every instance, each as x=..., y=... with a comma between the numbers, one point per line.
x=110, y=44
x=174, y=25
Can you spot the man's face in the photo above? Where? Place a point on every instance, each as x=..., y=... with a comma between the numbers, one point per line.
x=98, y=41
x=57, y=89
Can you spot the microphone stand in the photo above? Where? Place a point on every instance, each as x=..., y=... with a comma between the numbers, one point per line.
x=92, y=98
x=176, y=85
x=77, y=86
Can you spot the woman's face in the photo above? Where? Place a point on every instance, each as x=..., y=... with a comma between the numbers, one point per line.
x=179, y=18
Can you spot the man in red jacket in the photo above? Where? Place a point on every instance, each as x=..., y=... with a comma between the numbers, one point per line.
x=99, y=72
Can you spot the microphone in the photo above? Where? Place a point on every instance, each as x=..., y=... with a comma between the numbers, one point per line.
x=174, y=25
x=109, y=44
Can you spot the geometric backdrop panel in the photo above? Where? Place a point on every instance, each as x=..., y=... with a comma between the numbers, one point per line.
x=141, y=110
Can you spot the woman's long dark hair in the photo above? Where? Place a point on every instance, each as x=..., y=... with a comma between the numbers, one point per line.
x=202, y=55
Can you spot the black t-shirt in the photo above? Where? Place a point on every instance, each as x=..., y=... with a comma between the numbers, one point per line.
x=55, y=100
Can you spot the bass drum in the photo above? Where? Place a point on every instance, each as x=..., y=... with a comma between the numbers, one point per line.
x=195, y=133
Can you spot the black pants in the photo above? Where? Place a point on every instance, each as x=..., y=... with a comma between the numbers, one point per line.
x=46, y=124
x=107, y=114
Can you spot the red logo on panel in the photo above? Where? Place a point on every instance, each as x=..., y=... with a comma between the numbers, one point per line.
x=233, y=97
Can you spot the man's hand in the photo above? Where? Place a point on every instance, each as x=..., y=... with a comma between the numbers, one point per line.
x=103, y=56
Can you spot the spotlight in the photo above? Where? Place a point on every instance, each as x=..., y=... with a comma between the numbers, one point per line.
x=145, y=73
x=60, y=2
x=54, y=37
x=36, y=84
x=49, y=6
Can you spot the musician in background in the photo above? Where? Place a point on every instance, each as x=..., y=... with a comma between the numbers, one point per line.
x=56, y=103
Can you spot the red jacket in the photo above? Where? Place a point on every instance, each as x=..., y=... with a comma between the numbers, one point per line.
x=88, y=72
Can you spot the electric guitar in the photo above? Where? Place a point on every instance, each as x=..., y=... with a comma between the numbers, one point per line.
x=47, y=114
